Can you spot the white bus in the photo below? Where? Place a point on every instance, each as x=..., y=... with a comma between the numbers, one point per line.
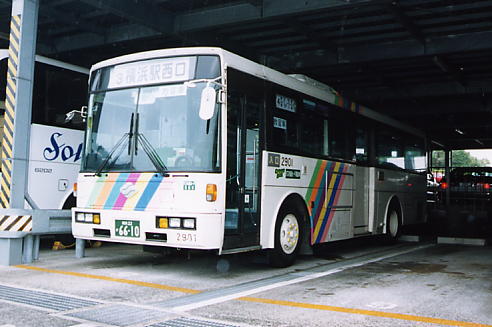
x=200, y=148
x=55, y=146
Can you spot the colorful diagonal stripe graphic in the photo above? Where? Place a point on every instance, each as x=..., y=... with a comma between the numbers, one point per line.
x=124, y=191
x=323, y=194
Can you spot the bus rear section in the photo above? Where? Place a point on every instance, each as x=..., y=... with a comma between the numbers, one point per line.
x=55, y=145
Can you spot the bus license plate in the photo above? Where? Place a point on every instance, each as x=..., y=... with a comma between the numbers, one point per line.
x=127, y=228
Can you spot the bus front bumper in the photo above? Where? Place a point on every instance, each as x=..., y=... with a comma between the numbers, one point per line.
x=192, y=231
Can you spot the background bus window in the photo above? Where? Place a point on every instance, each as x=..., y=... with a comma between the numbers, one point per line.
x=389, y=150
x=361, y=146
x=415, y=156
x=57, y=91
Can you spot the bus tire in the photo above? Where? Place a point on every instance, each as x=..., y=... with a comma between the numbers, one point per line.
x=288, y=237
x=393, y=224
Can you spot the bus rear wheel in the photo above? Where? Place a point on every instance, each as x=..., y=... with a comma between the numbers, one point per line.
x=393, y=225
x=288, y=235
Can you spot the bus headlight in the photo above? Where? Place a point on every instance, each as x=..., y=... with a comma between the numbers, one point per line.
x=88, y=217
x=174, y=222
x=189, y=223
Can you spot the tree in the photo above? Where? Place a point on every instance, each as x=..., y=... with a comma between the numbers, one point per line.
x=459, y=158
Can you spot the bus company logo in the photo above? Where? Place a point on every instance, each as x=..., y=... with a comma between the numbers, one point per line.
x=273, y=160
x=59, y=149
x=279, y=173
x=189, y=186
x=128, y=190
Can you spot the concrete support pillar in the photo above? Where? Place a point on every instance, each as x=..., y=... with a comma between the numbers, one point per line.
x=27, y=252
x=35, y=251
x=20, y=75
x=16, y=130
x=447, y=173
x=79, y=248
x=10, y=251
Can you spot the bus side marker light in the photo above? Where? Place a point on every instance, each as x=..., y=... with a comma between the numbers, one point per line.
x=211, y=192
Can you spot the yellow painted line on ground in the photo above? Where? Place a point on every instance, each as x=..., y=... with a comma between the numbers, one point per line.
x=111, y=279
x=381, y=314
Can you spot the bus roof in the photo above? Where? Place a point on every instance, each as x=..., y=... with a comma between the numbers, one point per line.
x=300, y=83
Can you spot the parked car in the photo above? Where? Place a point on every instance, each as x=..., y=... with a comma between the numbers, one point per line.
x=467, y=184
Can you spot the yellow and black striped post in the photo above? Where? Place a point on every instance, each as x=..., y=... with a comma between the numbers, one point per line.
x=10, y=103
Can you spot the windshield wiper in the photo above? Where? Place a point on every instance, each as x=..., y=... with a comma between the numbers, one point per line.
x=117, y=145
x=148, y=149
x=151, y=153
x=128, y=135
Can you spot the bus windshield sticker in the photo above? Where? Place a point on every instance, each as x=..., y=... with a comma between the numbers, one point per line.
x=148, y=96
x=279, y=123
x=150, y=72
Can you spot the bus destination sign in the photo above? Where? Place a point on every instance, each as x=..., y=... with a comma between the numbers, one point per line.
x=148, y=72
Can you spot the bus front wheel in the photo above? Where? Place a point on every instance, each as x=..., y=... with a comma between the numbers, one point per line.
x=288, y=234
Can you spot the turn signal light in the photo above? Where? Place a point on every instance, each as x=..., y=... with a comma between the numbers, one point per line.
x=162, y=222
x=211, y=192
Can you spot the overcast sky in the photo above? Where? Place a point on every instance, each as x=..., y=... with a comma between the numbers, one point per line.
x=481, y=154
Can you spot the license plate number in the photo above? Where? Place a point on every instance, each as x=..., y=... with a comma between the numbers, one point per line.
x=127, y=228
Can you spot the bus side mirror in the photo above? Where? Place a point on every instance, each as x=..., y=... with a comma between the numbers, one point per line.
x=76, y=116
x=207, y=103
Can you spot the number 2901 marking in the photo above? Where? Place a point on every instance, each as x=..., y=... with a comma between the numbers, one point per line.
x=186, y=237
x=286, y=162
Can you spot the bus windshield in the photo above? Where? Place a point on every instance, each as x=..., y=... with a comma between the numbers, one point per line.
x=151, y=128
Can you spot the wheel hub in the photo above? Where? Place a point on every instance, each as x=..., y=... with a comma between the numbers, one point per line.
x=289, y=233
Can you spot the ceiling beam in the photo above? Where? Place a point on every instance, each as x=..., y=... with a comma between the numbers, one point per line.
x=446, y=68
x=50, y=12
x=137, y=12
x=387, y=51
x=406, y=21
x=309, y=33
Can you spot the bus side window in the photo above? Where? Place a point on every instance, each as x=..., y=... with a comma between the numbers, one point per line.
x=284, y=124
x=313, y=134
x=389, y=149
x=337, y=137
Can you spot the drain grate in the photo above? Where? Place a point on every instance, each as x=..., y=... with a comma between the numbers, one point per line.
x=187, y=322
x=119, y=315
x=43, y=299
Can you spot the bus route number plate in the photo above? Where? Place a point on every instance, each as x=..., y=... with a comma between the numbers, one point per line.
x=127, y=228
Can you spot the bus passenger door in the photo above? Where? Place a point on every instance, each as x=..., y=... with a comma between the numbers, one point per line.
x=242, y=222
